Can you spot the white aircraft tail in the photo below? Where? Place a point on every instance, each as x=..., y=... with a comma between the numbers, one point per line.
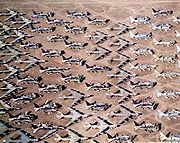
x=131, y=19
x=153, y=26
x=132, y=35
x=177, y=49
x=163, y=137
x=155, y=41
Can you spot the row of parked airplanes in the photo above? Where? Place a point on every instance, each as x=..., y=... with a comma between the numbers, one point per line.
x=100, y=52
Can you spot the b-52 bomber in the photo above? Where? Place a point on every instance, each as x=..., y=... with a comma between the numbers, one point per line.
x=42, y=15
x=73, y=60
x=143, y=67
x=51, y=53
x=145, y=104
x=76, y=14
x=48, y=107
x=161, y=13
x=26, y=22
x=121, y=44
x=75, y=45
x=25, y=98
x=162, y=27
x=98, y=86
x=164, y=43
x=96, y=21
x=170, y=59
x=57, y=38
x=142, y=51
x=96, y=68
x=49, y=88
x=74, y=115
x=30, y=45
x=148, y=127
x=94, y=106
x=120, y=138
x=26, y=117
x=76, y=96
x=168, y=93
x=75, y=29
x=53, y=69
x=29, y=79
x=140, y=20
x=141, y=36
x=169, y=114
x=167, y=74
x=102, y=124
x=72, y=78
x=99, y=52
x=43, y=29
x=142, y=84
x=58, y=22
x=11, y=14
x=121, y=28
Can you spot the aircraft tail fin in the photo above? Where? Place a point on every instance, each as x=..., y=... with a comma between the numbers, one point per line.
x=36, y=107
x=162, y=137
x=34, y=12
x=131, y=34
x=131, y=19
x=177, y=49
x=107, y=20
x=63, y=76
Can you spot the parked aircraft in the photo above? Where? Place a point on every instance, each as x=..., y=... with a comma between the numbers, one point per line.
x=97, y=106
x=51, y=53
x=168, y=93
x=97, y=21
x=11, y=14
x=30, y=45
x=164, y=43
x=52, y=69
x=142, y=51
x=162, y=27
x=73, y=60
x=161, y=13
x=75, y=29
x=167, y=74
x=72, y=78
x=6, y=29
x=57, y=38
x=140, y=20
x=169, y=137
x=29, y=79
x=141, y=36
x=143, y=84
x=75, y=45
x=49, y=88
x=170, y=59
x=43, y=29
x=42, y=15
x=98, y=86
x=169, y=114
x=76, y=14
x=58, y=22
x=96, y=69
x=143, y=67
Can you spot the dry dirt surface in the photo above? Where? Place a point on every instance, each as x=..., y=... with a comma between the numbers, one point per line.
x=116, y=11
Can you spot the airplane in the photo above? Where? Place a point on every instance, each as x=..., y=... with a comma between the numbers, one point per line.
x=75, y=45
x=169, y=114
x=173, y=138
x=161, y=13
x=122, y=60
x=43, y=29
x=162, y=27
x=96, y=69
x=98, y=86
x=167, y=74
x=120, y=74
x=12, y=72
x=142, y=51
x=120, y=138
x=30, y=61
x=20, y=36
x=140, y=20
x=30, y=45
x=148, y=127
x=141, y=36
x=12, y=14
x=75, y=29
x=57, y=38
x=96, y=21
x=73, y=60
x=49, y=127
x=176, y=19
x=19, y=118
x=143, y=67
x=58, y=22
x=170, y=59
x=13, y=54
x=99, y=52
x=102, y=124
x=177, y=34
x=29, y=79
x=167, y=93
x=10, y=87
x=72, y=137
x=6, y=29
x=76, y=96
x=121, y=28
x=25, y=99
x=143, y=84
x=42, y=15
x=49, y=88
x=51, y=53
x=97, y=106
x=164, y=43
x=76, y=14
x=121, y=44
x=26, y=22
x=52, y=69
x=99, y=37
x=72, y=78
x=74, y=115
x=48, y=107
x=144, y=104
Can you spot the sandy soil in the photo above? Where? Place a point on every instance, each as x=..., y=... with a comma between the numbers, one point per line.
x=115, y=11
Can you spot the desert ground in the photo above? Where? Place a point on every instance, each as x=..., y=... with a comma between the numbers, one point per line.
x=116, y=11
